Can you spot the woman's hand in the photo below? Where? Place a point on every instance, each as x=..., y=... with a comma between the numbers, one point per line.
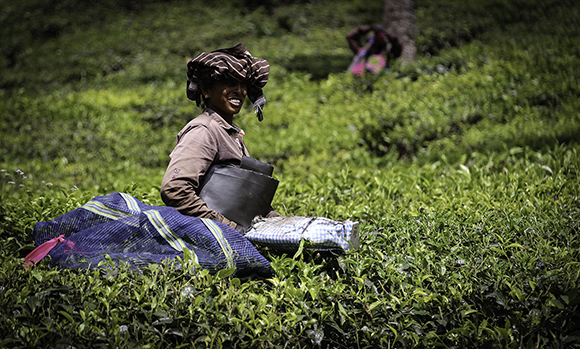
x=241, y=229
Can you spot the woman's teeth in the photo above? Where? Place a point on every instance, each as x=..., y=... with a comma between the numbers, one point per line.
x=235, y=101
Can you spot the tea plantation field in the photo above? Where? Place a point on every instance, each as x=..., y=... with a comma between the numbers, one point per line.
x=462, y=169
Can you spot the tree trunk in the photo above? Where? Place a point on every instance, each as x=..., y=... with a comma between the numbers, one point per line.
x=399, y=18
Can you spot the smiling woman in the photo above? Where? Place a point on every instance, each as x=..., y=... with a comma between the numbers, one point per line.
x=220, y=81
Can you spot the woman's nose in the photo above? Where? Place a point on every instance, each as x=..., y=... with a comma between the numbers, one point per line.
x=241, y=87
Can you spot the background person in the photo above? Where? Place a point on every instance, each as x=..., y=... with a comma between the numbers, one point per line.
x=373, y=47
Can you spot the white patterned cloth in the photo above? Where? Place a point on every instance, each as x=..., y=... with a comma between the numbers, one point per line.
x=286, y=232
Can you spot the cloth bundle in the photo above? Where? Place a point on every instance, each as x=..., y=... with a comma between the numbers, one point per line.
x=128, y=230
x=323, y=234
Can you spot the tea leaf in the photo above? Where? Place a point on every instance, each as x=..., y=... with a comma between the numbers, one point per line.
x=224, y=273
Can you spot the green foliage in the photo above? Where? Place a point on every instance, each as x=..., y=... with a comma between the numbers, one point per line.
x=516, y=88
x=462, y=169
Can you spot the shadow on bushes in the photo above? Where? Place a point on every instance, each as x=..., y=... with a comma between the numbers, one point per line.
x=318, y=65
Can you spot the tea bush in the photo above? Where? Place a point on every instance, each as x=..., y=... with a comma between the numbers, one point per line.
x=461, y=167
x=514, y=90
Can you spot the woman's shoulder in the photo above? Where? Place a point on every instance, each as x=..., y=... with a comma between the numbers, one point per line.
x=201, y=121
x=210, y=118
x=205, y=122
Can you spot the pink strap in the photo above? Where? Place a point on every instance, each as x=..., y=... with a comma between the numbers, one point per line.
x=41, y=251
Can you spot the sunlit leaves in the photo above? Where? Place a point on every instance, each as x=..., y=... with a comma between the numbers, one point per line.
x=470, y=240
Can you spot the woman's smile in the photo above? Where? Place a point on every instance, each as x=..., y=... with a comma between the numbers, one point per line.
x=235, y=101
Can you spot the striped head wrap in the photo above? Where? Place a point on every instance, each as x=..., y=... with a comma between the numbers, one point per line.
x=230, y=63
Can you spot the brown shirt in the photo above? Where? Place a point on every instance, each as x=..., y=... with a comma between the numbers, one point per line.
x=205, y=141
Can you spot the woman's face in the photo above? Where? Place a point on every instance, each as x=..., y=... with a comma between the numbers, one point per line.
x=226, y=97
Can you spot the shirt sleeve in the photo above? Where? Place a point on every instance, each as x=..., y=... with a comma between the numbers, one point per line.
x=190, y=160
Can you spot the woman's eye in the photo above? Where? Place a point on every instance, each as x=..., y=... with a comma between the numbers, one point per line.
x=234, y=84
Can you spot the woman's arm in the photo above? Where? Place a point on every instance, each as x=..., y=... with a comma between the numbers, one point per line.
x=190, y=160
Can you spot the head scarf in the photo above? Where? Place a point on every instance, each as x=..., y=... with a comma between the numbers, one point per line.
x=230, y=63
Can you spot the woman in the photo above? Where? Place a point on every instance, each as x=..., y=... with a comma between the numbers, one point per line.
x=219, y=81
x=378, y=48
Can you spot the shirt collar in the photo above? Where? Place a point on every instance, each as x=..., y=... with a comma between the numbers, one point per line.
x=217, y=118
